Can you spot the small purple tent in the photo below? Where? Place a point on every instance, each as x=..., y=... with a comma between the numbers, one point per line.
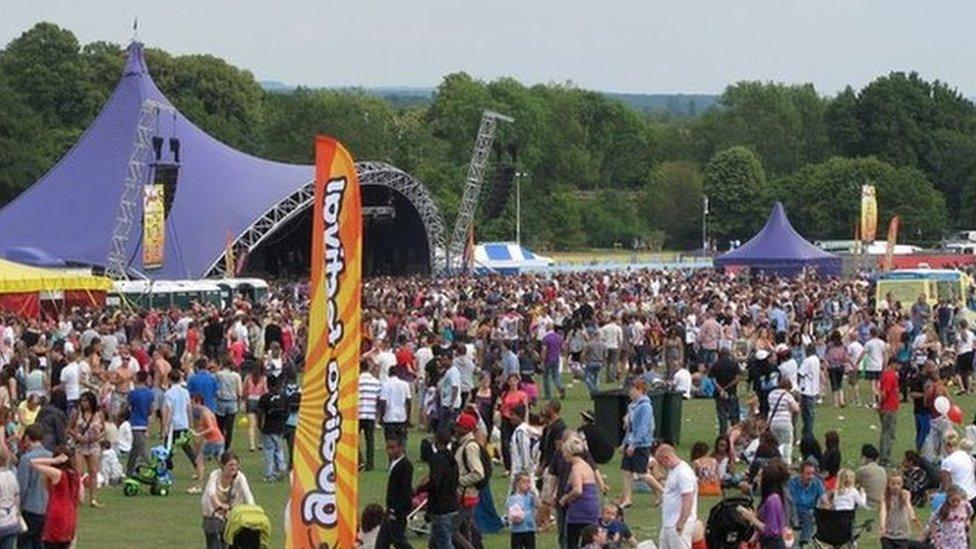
x=70, y=213
x=779, y=249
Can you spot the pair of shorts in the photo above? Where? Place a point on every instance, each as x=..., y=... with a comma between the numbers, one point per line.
x=836, y=376
x=252, y=406
x=212, y=449
x=872, y=375
x=636, y=463
x=964, y=363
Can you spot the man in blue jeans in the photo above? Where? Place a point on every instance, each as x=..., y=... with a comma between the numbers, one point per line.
x=919, y=385
x=805, y=490
x=552, y=345
x=274, y=417
x=442, y=502
x=594, y=357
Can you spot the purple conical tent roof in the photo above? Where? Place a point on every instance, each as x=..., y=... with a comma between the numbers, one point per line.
x=779, y=248
x=71, y=211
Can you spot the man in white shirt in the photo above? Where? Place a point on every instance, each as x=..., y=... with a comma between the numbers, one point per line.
x=679, y=499
x=394, y=406
x=465, y=365
x=448, y=391
x=682, y=382
x=875, y=354
x=809, y=379
x=369, y=392
x=613, y=337
x=71, y=378
x=385, y=359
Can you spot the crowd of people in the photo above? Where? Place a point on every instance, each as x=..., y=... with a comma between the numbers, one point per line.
x=477, y=367
x=457, y=354
x=95, y=397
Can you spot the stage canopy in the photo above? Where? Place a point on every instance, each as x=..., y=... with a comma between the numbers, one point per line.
x=71, y=212
x=507, y=258
x=779, y=249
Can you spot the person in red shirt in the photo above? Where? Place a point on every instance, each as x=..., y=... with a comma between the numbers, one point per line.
x=889, y=399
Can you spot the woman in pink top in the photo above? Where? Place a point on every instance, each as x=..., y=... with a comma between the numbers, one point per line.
x=255, y=385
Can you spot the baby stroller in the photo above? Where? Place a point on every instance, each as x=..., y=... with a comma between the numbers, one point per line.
x=726, y=529
x=837, y=529
x=247, y=527
x=155, y=474
x=417, y=518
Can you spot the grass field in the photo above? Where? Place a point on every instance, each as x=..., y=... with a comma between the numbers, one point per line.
x=174, y=521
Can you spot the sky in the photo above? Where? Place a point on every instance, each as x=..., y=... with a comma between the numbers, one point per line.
x=641, y=46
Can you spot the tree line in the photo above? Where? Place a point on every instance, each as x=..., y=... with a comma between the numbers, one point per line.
x=598, y=172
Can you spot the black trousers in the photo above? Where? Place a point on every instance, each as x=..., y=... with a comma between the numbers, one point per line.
x=31, y=539
x=523, y=540
x=226, y=425
x=507, y=429
x=367, y=430
x=393, y=532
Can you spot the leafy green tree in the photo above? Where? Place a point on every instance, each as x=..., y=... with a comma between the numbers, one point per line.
x=782, y=124
x=611, y=220
x=223, y=100
x=366, y=124
x=44, y=66
x=735, y=184
x=824, y=200
x=672, y=203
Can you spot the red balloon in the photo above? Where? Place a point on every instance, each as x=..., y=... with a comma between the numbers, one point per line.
x=955, y=414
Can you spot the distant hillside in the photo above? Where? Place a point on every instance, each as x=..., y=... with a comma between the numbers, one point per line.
x=675, y=104
x=678, y=104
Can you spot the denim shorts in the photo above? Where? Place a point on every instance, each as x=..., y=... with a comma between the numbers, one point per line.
x=212, y=449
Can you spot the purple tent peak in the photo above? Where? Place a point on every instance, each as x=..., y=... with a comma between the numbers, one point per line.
x=778, y=247
x=135, y=60
x=70, y=213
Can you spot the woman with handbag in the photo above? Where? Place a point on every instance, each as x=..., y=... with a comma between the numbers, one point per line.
x=226, y=488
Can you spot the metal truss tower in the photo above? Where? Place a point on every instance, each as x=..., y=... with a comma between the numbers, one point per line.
x=473, y=183
x=117, y=264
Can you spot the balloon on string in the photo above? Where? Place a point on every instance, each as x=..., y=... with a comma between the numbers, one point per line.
x=955, y=414
x=942, y=405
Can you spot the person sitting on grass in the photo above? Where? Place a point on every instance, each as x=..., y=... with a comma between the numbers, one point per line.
x=593, y=537
x=948, y=527
x=706, y=469
x=845, y=496
x=805, y=490
x=619, y=535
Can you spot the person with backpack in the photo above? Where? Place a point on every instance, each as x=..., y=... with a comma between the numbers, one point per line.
x=474, y=472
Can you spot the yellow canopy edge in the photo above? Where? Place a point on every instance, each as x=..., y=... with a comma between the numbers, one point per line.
x=18, y=278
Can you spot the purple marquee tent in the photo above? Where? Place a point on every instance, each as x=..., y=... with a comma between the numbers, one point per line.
x=70, y=213
x=779, y=249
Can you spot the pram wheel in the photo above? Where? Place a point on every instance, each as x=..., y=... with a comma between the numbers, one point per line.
x=158, y=490
x=130, y=489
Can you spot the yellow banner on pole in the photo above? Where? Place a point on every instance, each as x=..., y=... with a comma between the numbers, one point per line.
x=323, y=509
x=892, y=240
x=153, y=226
x=869, y=213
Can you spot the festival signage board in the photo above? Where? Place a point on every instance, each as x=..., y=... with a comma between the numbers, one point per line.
x=153, y=226
x=869, y=213
x=323, y=506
